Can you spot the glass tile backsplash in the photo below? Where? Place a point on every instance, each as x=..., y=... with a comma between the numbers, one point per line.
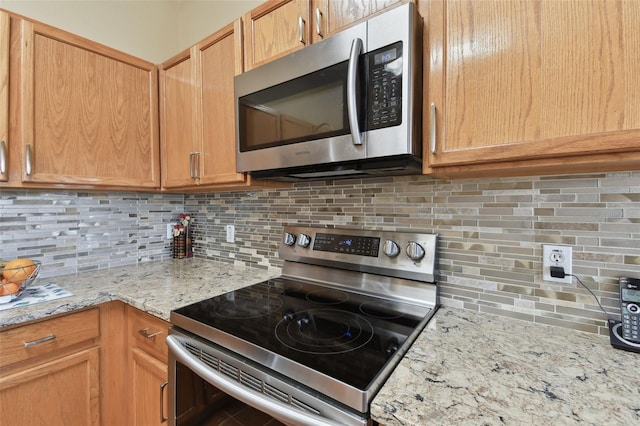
x=491, y=232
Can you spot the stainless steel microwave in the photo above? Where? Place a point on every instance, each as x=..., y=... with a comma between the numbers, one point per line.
x=348, y=106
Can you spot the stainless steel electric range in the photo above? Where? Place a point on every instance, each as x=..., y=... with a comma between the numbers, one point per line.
x=314, y=345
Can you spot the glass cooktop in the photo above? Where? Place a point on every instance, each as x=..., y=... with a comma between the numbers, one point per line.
x=345, y=335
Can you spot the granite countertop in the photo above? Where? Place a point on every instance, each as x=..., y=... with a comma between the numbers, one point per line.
x=464, y=368
x=469, y=368
x=154, y=287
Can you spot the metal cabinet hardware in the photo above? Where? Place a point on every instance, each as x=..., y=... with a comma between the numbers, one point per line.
x=145, y=332
x=28, y=160
x=319, y=22
x=3, y=157
x=301, y=29
x=432, y=129
x=39, y=341
x=191, y=171
x=162, y=417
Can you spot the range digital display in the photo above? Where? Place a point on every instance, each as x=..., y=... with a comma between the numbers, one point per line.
x=348, y=244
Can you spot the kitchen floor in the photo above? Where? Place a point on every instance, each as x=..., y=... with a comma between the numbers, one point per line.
x=239, y=414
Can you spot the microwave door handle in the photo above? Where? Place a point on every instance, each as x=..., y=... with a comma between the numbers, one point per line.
x=352, y=104
x=274, y=408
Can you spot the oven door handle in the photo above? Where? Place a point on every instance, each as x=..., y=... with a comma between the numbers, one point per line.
x=277, y=409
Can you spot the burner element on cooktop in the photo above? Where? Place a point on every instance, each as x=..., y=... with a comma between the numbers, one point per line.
x=328, y=296
x=324, y=331
x=244, y=306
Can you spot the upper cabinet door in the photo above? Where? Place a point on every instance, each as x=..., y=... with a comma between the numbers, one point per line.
x=274, y=29
x=4, y=96
x=219, y=59
x=532, y=80
x=330, y=16
x=88, y=113
x=178, y=121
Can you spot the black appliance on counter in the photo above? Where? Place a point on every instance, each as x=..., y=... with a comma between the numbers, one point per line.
x=314, y=345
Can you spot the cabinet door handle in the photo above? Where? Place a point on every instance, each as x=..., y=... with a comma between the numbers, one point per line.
x=3, y=157
x=28, y=160
x=39, y=341
x=301, y=29
x=432, y=129
x=193, y=165
x=319, y=22
x=196, y=165
x=162, y=417
x=145, y=332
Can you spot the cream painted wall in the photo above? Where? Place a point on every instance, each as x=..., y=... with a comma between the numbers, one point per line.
x=153, y=30
x=200, y=18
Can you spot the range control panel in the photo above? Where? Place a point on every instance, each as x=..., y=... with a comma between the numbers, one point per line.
x=394, y=253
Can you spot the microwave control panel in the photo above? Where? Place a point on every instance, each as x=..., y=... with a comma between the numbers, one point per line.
x=384, y=100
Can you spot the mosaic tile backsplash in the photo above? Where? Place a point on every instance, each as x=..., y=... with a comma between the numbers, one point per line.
x=491, y=232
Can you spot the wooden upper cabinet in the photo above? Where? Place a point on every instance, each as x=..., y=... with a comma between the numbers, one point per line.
x=87, y=113
x=275, y=28
x=197, y=110
x=219, y=61
x=330, y=16
x=4, y=96
x=178, y=126
x=532, y=80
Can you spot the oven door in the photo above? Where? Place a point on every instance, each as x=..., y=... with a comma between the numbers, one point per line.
x=207, y=385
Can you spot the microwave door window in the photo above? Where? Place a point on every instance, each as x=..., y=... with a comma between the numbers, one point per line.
x=307, y=108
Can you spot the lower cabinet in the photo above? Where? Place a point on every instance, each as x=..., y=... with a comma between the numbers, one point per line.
x=82, y=369
x=149, y=399
x=60, y=392
x=147, y=366
x=50, y=371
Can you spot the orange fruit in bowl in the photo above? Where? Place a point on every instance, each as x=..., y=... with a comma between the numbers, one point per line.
x=18, y=270
x=9, y=288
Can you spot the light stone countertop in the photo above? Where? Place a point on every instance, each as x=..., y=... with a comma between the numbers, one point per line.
x=469, y=368
x=154, y=287
x=466, y=368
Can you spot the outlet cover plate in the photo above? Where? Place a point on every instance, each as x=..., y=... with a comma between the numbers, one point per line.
x=231, y=237
x=557, y=256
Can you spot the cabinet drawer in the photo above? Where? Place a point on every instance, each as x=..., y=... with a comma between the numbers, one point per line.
x=45, y=337
x=148, y=333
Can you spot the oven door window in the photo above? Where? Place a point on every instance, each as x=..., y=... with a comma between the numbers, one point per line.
x=200, y=403
x=307, y=108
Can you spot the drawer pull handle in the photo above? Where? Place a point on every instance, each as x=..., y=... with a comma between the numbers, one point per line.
x=39, y=341
x=145, y=332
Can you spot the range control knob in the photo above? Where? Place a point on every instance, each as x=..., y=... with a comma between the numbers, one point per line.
x=414, y=251
x=303, y=323
x=289, y=239
x=304, y=240
x=390, y=248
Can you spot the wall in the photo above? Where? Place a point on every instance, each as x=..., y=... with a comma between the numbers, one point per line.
x=491, y=232
x=199, y=19
x=154, y=30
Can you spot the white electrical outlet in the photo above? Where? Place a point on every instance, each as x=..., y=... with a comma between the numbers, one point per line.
x=560, y=256
x=169, y=231
x=231, y=234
